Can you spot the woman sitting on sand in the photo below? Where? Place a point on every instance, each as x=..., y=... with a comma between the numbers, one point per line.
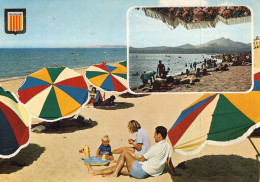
x=93, y=96
x=140, y=145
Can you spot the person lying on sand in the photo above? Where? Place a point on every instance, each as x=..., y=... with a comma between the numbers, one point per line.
x=186, y=81
x=222, y=68
x=205, y=72
x=151, y=164
x=107, y=102
x=160, y=83
x=140, y=145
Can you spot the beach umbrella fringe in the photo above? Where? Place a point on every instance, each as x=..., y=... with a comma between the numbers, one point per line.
x=216, y=119
x=174, y=22
x=217, y=143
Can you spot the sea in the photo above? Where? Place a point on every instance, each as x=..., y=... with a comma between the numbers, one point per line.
x=139, y=62
x=20, y=62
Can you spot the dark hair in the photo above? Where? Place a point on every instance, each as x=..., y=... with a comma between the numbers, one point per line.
x=162, y=130
x=113, y=97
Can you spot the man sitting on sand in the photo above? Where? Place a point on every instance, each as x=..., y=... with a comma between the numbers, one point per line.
x=151, y=164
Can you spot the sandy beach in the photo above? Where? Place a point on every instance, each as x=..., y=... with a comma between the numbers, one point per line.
x=236, y=79
x=54, y=156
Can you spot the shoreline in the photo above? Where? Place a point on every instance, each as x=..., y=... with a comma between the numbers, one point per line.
x=62, y=144
x=236, y=76
x=4, y=79
x=215, y=81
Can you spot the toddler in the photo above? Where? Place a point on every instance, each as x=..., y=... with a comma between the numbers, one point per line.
x=105, y=149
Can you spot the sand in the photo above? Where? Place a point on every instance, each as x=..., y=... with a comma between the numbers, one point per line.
x=236, y=79
x=53, y=156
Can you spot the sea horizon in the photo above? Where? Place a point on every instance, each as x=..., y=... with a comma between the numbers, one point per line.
x=20, y=62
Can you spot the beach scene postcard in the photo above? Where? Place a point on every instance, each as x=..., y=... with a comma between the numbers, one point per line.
x=190, y=49
x=118, y=91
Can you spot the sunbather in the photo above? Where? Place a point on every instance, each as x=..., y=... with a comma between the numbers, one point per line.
x=95, y=96
x=107, y=102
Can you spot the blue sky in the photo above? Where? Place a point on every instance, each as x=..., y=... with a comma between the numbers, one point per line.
x=149, y=32
x=81, y=23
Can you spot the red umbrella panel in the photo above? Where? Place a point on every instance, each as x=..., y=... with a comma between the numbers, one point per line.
x=15, y=123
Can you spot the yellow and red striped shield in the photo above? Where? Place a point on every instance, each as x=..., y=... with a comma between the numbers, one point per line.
x=15, y=21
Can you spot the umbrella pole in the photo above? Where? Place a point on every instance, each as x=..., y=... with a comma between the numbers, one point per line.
x=257, y=158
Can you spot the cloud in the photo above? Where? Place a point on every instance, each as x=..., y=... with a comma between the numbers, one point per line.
x=183, y=3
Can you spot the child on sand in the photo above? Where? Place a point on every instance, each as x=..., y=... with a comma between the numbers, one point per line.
x=105, y=149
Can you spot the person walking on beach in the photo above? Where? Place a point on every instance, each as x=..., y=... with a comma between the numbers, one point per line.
x=151, y=164
x=160, y=68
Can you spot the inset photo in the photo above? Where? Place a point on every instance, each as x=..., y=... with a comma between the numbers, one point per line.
x=190, y=49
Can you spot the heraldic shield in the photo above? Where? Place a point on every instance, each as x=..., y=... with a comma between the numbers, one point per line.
x=15, y=21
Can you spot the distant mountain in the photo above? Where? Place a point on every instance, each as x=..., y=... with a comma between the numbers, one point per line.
x=186, y=46
x=218, y=46
x=107, y=46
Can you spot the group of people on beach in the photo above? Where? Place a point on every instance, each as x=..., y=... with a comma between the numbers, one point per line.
x=238, y=59
x=140, y=160
x=160, y=79
x=153, y=76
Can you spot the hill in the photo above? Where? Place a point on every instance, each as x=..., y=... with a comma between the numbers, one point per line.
x=217, y=46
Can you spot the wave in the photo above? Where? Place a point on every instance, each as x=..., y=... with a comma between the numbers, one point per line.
x=11, y=78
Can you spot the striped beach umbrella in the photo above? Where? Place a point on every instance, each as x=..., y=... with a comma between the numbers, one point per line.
x=54, y=93
x=122, y=65
x=218, y=119
x=14, y=125
x=108, y=78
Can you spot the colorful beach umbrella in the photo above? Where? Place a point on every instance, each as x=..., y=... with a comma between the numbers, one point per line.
x=200, y=17
x=54, y=93
x=108, y=78
x=14, y=125
x=218, y=119
x=122, y=65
